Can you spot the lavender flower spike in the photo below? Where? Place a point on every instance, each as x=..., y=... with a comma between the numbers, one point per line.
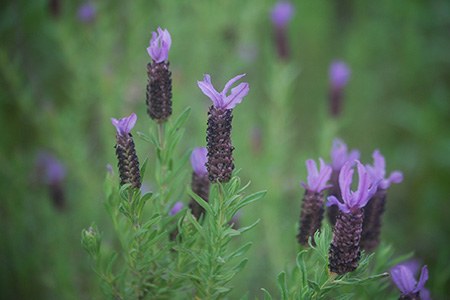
x=344, y=250
x=160, y=45
x=378, y=171
x=339, y=156
x=374, y=209
x=221, y=100
x=339, y=75
x=317, y=180
x=200, y=180
x=359, y=198
x=220, y=159
x=159, y=85
x=312, y=206
x=403, y=277
x=125, y=150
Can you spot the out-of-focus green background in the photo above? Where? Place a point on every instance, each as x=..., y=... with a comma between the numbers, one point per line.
x=61, y=80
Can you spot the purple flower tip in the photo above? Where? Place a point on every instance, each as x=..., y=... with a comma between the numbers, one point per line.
x=354, y=199
x=176, y=208
x=124, y=125
x=340, y=154
x=198, y=161
x=86, y=12
x=52, y=169
x=378, y=171
x=282, y=13
x=221, y=100
x=160, y=45
x=403, y=277
x=339, y=74
x=317, y=179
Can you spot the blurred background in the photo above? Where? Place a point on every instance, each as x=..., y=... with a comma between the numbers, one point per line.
x=67, y=67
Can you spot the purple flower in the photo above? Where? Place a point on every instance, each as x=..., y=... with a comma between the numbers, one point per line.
x=176, y=208
x=124, y=125
x=340, y=155
x=198, y=160
x=282, y=13
x=53, y=170
x=86, y=12
x=317, y=179
x=403, y=277
x=353, y=199
x=159, y=45
x=221, y=100
x=339, y=74
x=378, y=171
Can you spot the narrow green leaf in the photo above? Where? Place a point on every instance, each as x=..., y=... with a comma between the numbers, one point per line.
x=200, y=201
x=251, y=198
x=244, y=229
x=281, y=280
x=179, y=122
x=267, y=295
x=301, y=266
x=143, y=168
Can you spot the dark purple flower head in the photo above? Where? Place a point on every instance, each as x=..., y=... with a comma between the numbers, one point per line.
x=339, y=74
x=317, y=179
x=198, y=161
x=86, y=12
x=282, y=13
x=340, y=154
x=124, y=125
x=176, y=208
x=221, y=100
x=403, y=277
x=354, y=199
x=52, y=169
x=160, y=45
x=378, y=171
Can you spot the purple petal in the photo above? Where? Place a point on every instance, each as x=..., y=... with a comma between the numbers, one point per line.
x=403, y=279
x=160, y=45
x=332, y=200
x=124, y=125
x=345, y=180
x=395, y=177
x=230, y=83
x=237, y=94
x=361, y=196
x=176, y=208
x=340, y=155
x=339, y=74
x=282, y=13
x=198, y=161
x=209, y=90
x=423, y=278
x=425, y=294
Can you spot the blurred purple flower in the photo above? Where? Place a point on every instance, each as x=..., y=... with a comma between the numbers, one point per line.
x=124, y=125
x=340, y=154
x=317, y=179
x=176, y=208
x=86, y=12
x=339, y=74
x=282, y=12
x=378, y=171
x=198, y=161
x=52, y=169
x=403, y=277
x=160, y=45
x=353, y=199
x=221, y=100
